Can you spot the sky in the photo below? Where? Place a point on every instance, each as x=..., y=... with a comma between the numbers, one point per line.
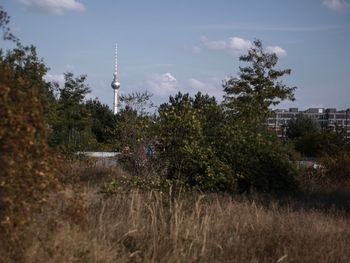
x=189, y=45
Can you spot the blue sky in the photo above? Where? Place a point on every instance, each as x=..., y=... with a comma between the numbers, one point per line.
x=190, y=45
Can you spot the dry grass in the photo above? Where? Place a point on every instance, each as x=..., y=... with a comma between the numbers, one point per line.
x=81, y=225
x=155, y=227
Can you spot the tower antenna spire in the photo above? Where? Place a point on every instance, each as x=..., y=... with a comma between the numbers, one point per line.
x=116, y=59
x=115, y=83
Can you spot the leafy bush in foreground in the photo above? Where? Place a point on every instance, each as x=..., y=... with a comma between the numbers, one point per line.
x=26, y=165
x=26, y=173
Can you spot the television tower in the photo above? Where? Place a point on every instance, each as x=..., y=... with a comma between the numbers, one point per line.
x=115, y=83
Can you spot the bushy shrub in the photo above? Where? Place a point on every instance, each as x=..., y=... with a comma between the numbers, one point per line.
x=259, y=160
x=302, y=125
x=26, y=173
x=187, y=147
x=337, y=166
x=270, y=168
x=214, y=154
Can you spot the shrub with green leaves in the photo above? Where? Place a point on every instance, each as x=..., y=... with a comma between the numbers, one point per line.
x=227, y=147
x=187, y=143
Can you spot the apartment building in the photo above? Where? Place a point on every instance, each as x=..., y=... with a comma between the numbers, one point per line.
x=330, y=118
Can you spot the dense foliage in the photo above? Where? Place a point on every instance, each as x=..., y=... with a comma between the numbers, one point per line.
x=227, y=147
x=71, y=126
x=257, y=87
x=27, y=167
x=103, y=122
x=304, y=131
x=187, y=141
x=24, y=161
x=302, y=125
x=190, y=142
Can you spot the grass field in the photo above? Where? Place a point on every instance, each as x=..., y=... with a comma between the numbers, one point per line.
x=135, y=226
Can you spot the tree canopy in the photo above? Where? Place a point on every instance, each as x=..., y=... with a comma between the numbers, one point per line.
x=257, y=86
x=302, y=125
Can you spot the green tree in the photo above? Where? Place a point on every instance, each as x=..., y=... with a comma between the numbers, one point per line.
x=332, y=142
x=4, y=21
x=138, y=101
x=188, y=143
x=323, y=143
x=305, y=134
x=257, y=87
x=72, y=127
x=103, y=123
x=258, y=159
x=332, y=150
x=134, y=121
x=302, y=125
x=134, y=132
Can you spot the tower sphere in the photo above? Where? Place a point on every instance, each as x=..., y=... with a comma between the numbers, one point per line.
x=115, y=84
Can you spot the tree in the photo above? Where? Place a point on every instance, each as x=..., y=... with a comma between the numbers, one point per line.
x=72, y=127
x=211, y=114
x=103, y=123
x=302, y=125
x=134, y=132
x=257, y=87
x=24, y=62
x=322, y=143
x=304, y=132
x=226, y=147
x=4, y=21
x=258, y=159
x=138, y=101
x=188, y=145
x=135, y=121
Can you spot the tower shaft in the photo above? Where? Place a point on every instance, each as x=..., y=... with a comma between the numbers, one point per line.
x=115, y=102
x=115, y=83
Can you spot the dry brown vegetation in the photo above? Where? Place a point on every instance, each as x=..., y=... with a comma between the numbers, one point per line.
x=83, y=212
x=82, y=225
x=27, y=170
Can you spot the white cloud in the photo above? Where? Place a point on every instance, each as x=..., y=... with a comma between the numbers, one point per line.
x=167, y=77
x=277, y=50
x=237, y=46
x=215, y=45
x=336, y=5
x=234, y=44
x=196, y=84
x=54, y=78
x=57, y=7
x=196, y=49
x=162, y=84
x=237, y=43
